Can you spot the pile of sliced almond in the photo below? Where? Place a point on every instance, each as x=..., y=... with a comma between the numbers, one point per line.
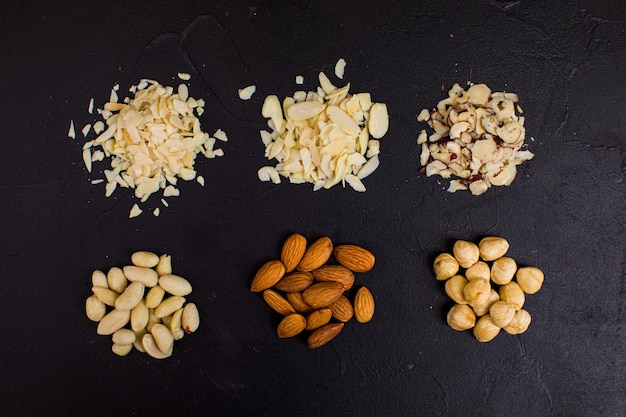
x=148, y=298
x=152, y=140
x=478, y=138
x=323, y=137
x=311, y=293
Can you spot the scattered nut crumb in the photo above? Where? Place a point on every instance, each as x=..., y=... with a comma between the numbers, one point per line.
x=184, y=76
x=247, y=92
x=299, y=79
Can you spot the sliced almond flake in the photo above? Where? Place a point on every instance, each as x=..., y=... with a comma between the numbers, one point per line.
x=135, y=211
x=247, y=92
x=218, y=152
x=71, y=132
x=86, y=129
x=183, y=92
x=200, y=180
x=156, y=212
x=184, y=76
x=90, y=107
x=325, y=84
x=87, y=159
x=164, y=202
x=97, y=181
x=355, y=183
x=113, y=97
x=340, y=68
x=369, y=167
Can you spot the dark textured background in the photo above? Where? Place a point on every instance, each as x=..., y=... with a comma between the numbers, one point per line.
x=564, y=213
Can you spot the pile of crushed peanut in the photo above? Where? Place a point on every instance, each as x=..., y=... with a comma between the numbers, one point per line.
x=478, y=137
x=152, y=140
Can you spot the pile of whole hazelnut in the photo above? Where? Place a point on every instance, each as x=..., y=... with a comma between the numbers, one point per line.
x=490, y=292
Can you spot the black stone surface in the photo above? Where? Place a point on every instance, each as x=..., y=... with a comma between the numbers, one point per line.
x=564, y=213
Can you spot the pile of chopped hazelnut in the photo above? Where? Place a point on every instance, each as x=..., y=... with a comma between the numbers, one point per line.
x=478, y=138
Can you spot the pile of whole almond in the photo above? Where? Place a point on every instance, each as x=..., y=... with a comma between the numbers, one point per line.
x=147, y=296
x=488, y=287
x=310, y=292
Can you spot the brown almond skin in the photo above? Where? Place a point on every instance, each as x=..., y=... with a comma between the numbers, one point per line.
x=322, y=294
x=291, y=325
x=355, y=258
x=292, y=251
x=324, y=335
x=268, y=275
x=297, y=302
x=342, y=309
x=318, y=318
x=316, y=255
x=295, y=281
x=278, y=303
x=335, y=273
x=363, y=305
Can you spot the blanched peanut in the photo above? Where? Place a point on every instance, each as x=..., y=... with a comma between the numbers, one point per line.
x=154, y=296
x=169, y=305
x=98, y=279
x=123, y=337
x=105, y=295
x=163, y=338
x=116, y=279
x=95, y=308
x=190, y=318
x=131, y=296
x=146, y=276
x=139, y=316
x=113, y=321
x=164, y=266
x=151, y=347
x=121, y=350
x=175, y=285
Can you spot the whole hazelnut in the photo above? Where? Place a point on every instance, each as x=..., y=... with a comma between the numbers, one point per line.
x=461, y=317
x=445, y=266
x=477, y=291
x=479, y=270
x=485, y=330
x=492, y=248
x=482, y=309
x=503, y=270
x=454, y=289
x=501, y=313
x=519, y=324
x=466, y=253
x=530, y=279
x=512, y=294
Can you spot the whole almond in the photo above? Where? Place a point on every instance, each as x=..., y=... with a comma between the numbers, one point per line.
x=318, y=318
x=295, y=281
x=335, y=273
x=342, y=309
x=297, y=302
x=316, y=255
x=278, y=303
x=324, y=335
x=268, y=275
x=322, y=294
x=363, y=305
x=291, y=325
x=355, y=258
x=293, y=250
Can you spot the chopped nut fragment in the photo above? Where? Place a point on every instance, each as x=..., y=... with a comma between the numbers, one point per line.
x=184, y=76
x=340, y=68
x=247, y=92
x=71, y=132
x=135, y=211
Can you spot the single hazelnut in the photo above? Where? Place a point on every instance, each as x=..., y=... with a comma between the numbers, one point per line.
x=503, y=270
x=477, y=291
x=454, y=289
x=485, y=330
x=482, y=309
x=513, y=294
x=501, y=313
x=461, y=317
x=530, y=279
x=445, y=266
x=492, y=248
x=466, y=253
x=519, y=324
x=479, y=270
